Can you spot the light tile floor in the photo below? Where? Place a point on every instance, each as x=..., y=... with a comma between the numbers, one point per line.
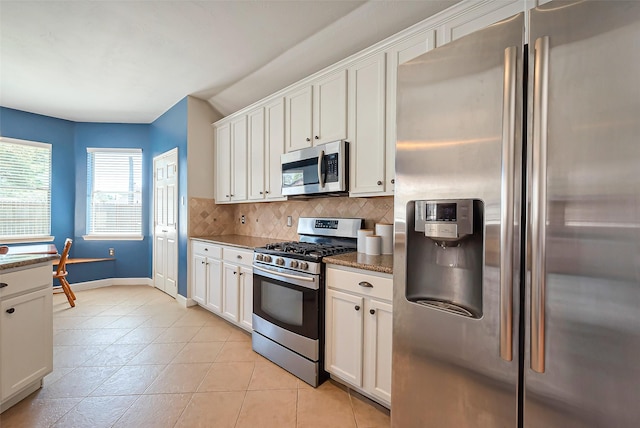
x=130, y=356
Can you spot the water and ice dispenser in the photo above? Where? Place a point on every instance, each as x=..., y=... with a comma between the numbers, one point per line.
x=444, y=255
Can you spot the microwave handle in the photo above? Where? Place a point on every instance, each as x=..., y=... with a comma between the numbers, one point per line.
x=321, y=168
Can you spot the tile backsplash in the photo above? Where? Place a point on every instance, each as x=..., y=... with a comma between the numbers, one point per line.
x=269, y=219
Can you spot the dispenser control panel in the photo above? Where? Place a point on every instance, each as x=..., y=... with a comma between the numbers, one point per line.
x=446, y=219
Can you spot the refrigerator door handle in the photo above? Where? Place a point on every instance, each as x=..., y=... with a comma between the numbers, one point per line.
x=539, y=202
x=507, y=203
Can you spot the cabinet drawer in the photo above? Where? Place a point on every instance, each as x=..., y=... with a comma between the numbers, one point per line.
x=205, y=249
x=238, y=256
x=26, y=280
x=346, y=279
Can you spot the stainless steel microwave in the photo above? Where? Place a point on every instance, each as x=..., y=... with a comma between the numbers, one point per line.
x=316, y=170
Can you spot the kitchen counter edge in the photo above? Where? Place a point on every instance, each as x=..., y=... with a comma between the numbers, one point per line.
x=11, y=261
x=382, y=264
x=240, y=241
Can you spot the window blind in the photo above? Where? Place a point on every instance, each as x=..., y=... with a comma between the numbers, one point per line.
x=25, y=189
x=114, y=197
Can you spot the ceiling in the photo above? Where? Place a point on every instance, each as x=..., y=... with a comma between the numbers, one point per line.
x=130, y=61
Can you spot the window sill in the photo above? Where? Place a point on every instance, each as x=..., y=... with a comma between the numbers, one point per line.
x=113, y=237
x=26, y=239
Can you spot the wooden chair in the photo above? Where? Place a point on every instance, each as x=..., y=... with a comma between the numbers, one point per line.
x=61, y=273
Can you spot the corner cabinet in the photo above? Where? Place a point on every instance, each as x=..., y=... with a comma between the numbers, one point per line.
x=222, y=281
x=358, y=330
x=26, y=331
x=366, y=125
x=231, y=160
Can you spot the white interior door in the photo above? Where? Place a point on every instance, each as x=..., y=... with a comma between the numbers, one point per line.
x=165, y=218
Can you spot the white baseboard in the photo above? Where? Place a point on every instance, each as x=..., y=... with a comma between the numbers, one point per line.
x=88, y=285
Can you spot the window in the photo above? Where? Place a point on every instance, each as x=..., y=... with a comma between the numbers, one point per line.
x=25, y=190
x=114, y=193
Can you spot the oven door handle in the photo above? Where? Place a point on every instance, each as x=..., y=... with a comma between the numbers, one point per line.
x=287, y=275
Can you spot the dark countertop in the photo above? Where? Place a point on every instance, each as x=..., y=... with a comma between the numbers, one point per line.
x=382, y=264
x=241, y=241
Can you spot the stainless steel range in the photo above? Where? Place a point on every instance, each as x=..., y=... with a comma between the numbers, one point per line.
x=288, y=295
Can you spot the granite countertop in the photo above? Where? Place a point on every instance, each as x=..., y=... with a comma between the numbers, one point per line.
x=248, y=242
x=383, y=263
x=10, y=261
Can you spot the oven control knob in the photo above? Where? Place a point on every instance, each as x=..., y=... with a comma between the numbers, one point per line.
x=259, y=257
x=304, y=265
x=294, y=264
x=280, y=261
x=267, y=259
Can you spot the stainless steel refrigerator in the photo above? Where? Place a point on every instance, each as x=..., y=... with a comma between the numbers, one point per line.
x=517, y=225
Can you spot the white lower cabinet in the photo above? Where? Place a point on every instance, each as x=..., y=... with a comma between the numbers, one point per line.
x=26, y=331
x=359, y=330
x=222, y=281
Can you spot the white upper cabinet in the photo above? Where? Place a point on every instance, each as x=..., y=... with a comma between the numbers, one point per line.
x=366, y=130
x=274, y=146
x=299, y=118
x=330, y=108
x=317, y=113
x=231, y=160
x=256, y=143
x=223, y=162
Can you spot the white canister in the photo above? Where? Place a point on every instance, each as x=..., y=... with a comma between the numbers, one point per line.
x=362, y=234
x=373, y=245
x=385, y=231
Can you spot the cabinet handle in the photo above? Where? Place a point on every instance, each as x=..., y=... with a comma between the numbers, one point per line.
x=357, y=308
x=206, y=249
x=11, y=310
x=365, y=284
x=317, y=138
x=202, y=262
x=379, y=183
x=239, y=256
x=3, y=284
x=235, y=273
x=372, y=311
x=226, y=196
x=393, y=181
x=261, y=193
x=241, y=273
x=308, y=139
x=266, y=191
x=231, y=195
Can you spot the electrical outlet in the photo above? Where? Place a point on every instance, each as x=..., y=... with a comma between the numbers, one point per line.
x=243, y=219
x=289, y=221
x=112, y=252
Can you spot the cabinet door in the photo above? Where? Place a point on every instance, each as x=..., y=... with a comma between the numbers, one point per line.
x=377, y=353
x=246, y=289
x=214, y=285
x=396, y=55
x=256, y=158
x=230, y=294
x=26, y=340
x=239, y=159
x=298, y=119
x=330, y=108
x=274, y=123
x=199, y=272
x=343, y=353
x=223, y=163
x=367, y=125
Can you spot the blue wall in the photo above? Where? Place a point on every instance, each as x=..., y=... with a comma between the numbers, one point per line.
x=60, y=134
x=167, y=132
x=128, y=253
x=69, y=142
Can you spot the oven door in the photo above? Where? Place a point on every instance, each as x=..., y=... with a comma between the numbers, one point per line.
x=290, y=301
